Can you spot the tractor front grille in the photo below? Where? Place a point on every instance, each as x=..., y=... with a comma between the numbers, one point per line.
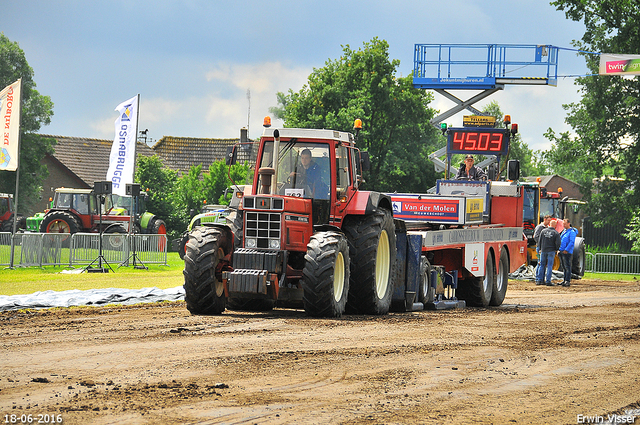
x=263, y=227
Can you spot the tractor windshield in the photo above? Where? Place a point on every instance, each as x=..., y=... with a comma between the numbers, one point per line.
x=123, y=203
x=530, y=208
x=4, y=205
x=83, y=203
x=303, y=168
x=550, y=206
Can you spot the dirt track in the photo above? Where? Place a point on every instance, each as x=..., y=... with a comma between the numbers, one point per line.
x=546, y=356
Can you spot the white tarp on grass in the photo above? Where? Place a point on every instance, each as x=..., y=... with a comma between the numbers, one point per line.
x=76, y=297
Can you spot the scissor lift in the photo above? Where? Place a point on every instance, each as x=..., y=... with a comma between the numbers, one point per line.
x=486, y=67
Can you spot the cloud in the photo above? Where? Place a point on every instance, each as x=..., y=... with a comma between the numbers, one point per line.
x=222, y=107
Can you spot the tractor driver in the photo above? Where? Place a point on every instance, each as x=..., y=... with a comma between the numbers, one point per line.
x=308, y=176
x=469, y=171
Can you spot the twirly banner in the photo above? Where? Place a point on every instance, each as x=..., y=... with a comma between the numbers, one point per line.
x=614, y=64
x=10, y=115
x=123, y=153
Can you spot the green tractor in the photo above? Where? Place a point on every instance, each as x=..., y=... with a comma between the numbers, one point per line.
x=221, y=214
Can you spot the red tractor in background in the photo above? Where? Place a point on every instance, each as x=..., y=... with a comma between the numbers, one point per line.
x=82, y=210
x=7, y=213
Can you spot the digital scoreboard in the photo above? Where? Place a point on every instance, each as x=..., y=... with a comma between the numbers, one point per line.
x=478, y=141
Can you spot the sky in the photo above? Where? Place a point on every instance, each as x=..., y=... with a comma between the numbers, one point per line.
x=206, y=68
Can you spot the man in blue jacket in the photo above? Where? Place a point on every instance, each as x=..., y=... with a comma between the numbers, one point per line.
x=567, y=240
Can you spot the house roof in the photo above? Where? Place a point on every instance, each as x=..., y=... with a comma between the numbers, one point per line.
x=181, y=153
x=544, y=180
x=87, y=158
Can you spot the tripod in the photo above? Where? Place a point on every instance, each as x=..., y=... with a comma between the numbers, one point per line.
x=100, y=259
x=132, y=238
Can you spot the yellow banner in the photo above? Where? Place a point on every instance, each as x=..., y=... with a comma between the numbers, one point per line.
x=478, y=121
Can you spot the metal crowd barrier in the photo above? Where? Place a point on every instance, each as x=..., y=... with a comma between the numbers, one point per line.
x=589, y=262
x=58, y=249
x=616, y=263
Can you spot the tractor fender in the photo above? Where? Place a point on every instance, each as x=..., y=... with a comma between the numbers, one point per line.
x=224, y=229
x=145, y=219
x=326, y=228
x=367, y=202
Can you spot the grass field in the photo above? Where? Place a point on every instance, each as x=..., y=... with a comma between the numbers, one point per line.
x=33, y=279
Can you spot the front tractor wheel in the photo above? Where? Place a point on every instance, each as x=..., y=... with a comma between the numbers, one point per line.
x=372, y=251
x=325, y=277
x=204, y=290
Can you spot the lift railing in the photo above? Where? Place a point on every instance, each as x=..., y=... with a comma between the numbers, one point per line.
x=483, y=66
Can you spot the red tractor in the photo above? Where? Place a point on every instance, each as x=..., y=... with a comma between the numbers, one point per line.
x=320, y=244
x=306, y=236
x=7, y=213
x=82, y=210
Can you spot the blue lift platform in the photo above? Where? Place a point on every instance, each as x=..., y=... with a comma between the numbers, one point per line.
x=485, y=67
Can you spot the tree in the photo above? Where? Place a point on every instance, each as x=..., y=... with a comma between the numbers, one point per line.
x=172, y=198
x=363, y=84
x=607, y=119
x=159, y=182
x=633, y=232
x=36, y=110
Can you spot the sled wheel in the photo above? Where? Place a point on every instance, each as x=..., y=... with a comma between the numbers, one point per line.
x=476, y=291
x=502, y=279
x=427, y=293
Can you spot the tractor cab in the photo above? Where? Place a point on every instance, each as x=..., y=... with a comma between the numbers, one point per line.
x=320, y=168
x=80, y=200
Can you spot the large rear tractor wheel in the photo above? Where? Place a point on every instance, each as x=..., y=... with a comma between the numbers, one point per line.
x=6, y=226
x=325, y=277
x=204, y=291
x=476, y=291
x=427, y=293
x=60, y=222
x=501, y=281
x=158, y=227
x=372, y=252
x=116, y=238
x=579, y=259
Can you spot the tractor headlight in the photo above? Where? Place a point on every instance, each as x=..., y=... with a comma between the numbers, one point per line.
x=250, y=242
x=274, y=243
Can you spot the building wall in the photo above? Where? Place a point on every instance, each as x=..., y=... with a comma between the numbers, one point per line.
x=569, y=188
x=59, y=176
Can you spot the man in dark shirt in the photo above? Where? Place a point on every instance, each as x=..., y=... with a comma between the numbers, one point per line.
x=536, y=237
x=548, y=245
x=470, y=171
x=309, y=177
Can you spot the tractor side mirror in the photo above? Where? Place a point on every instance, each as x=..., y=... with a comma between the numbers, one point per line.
x=232, y=155
x=513, y=170
x=365, y=162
